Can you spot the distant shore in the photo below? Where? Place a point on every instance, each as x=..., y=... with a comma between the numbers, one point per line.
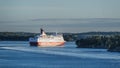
x=24, y=36
x=109, y=40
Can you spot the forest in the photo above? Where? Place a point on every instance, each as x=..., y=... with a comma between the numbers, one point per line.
x=110, y=42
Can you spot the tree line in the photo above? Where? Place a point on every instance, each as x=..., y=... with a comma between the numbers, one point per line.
x=24, y=36
x=110, y=42
x=15, y=36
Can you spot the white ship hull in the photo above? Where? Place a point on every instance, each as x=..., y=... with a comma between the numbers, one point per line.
x=47, y=44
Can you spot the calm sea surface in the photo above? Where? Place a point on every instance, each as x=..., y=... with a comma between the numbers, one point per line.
x=18, y=54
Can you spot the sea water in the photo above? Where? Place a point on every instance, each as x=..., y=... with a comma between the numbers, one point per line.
x=18, y=54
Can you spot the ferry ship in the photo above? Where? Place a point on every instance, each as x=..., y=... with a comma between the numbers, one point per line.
x=44, y=40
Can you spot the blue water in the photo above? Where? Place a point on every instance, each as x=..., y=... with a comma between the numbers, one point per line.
x=18, y=54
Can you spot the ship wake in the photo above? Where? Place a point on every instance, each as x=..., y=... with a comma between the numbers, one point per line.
x=83, y=53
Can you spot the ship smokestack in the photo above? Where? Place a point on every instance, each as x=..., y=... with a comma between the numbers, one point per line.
x=41, y=30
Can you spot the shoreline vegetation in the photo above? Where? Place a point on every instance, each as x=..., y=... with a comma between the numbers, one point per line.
x=111, y=42
x=108, y=40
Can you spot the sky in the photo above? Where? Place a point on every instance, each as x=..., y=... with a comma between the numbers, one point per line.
x=59, y=15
